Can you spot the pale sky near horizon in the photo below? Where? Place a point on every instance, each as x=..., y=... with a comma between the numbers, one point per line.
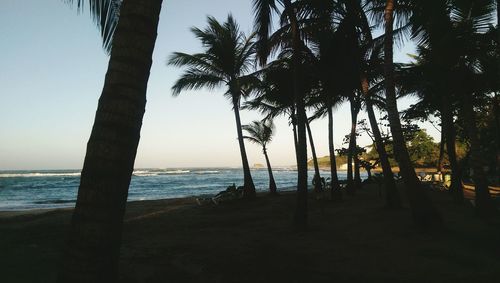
x=52, y=68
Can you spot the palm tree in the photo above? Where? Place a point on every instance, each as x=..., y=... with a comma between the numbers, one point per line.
x=94, y=239
x=471, y=20
x=227, y=60
x=261, y=133
x=454, y=43
x=368, y=62
x=430, y=81
x=328, y=70
x=431, y=27
x=424, y=212
x=263, y=10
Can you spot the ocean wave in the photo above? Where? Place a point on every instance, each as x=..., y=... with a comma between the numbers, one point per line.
x=144, y=173
x=207, y=172
x=55, y=201
x=28, y=175
x=147, y=173
x=177, y=172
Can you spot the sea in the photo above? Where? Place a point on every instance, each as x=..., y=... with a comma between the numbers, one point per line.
x=43, y=189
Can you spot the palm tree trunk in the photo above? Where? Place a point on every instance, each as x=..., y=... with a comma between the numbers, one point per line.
x=392, y=195
x=357, y=175
x=496, y=113
x=352, y=183
x=456, y=188
x=301, y=210
x=293, y=116
x=317, y=177
x=424, y=212
x=439, y=165
x=94, y=240
x=350, y=178
x=272, y=184
x=248, y=185
x=484, y=203
x=300, y=216
x=334, y=182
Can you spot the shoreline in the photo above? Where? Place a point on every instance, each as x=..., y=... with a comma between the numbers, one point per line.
x=468, y=191
x=134, y=204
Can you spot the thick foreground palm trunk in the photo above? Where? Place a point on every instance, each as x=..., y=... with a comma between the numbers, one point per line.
x=248, y=185
x=272, y=184
x=336, y=194
x=392, y=199
x=317, y=176
x=93, y=245
x=424, y=213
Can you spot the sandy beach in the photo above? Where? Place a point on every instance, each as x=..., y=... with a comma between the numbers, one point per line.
x=179, y=241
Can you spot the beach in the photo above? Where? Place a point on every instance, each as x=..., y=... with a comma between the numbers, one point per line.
x=177, y=240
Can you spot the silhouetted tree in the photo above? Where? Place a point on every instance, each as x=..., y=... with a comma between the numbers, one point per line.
x=424, y=212
x=263, y=11
x=95, y=235
x=226, y=61
x=261, y=133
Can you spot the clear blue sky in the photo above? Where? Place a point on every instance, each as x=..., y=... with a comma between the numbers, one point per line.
x=52, y=68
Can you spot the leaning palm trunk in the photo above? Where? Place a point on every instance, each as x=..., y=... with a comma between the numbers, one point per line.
x=93, y=245
x=484, y=203
x=317, y=177
x=456, y=188
x=300, y=216
x=392, y=195
x=248, y=185
x=272, y=184
x=334, y=181
x=423, y=211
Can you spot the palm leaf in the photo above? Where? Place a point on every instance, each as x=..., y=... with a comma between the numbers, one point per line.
x=105, y=14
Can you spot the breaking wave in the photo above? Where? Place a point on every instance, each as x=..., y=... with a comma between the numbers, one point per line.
x=32, y=174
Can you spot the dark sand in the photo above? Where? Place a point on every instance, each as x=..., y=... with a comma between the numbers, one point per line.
x=353, y=241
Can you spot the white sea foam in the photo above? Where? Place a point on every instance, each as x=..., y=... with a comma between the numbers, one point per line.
x=176, y=172
x=207, y=172
x=145, y=174
x=28, y=175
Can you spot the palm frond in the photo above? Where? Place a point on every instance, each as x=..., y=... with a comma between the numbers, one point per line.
x=193, y=79
x=263, y=15
x=105, y=14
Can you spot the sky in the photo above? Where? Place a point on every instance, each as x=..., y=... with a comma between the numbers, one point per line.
x=52, y=69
